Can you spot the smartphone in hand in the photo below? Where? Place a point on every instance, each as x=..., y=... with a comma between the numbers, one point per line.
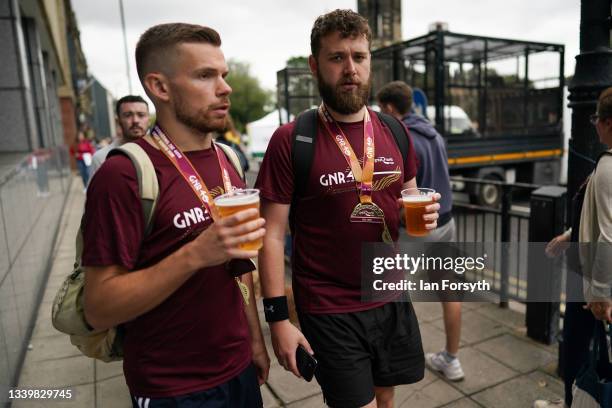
x=306, y=364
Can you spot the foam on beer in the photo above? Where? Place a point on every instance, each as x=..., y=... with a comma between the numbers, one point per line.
x=237, y=199
x=416, y=198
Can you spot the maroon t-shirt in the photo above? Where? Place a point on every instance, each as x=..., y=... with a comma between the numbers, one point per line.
x=198, y=337
x=326, y=262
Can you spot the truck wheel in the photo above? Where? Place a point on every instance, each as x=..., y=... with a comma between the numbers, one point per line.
x=489, y=195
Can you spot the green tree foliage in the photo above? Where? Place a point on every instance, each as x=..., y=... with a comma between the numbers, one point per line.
x=249, y=100
x=297, y=62
x=303, y=92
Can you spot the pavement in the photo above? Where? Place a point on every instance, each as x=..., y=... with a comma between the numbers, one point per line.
x=503, y=367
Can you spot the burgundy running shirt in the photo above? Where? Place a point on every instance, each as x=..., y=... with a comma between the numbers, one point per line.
x=198, y=337
x=326, y=261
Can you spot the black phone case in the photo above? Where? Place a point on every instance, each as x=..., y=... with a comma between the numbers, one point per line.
x=306, y=363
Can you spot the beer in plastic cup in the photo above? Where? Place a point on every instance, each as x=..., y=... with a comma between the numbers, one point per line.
x=240, y=200
x=415, y=200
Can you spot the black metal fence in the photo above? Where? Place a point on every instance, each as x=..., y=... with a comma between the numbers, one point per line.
x=507, y=223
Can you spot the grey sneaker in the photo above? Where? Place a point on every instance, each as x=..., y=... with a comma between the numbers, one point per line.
x=451, y=370
x=554, y=403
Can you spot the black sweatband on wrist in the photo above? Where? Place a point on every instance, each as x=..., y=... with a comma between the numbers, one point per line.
x=276, y=309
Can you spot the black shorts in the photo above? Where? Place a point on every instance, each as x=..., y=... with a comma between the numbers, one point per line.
x=241, y=391
x=360, y=350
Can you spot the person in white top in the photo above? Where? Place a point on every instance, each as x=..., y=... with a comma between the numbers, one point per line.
x=133, y=120
x=595, y=237
x=596, y=220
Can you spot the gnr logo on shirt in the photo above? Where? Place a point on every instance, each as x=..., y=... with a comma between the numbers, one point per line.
x=336, y=178
x=186, y=219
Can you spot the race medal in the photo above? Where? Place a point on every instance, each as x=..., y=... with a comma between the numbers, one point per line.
x=244, y=291
x=368, y=212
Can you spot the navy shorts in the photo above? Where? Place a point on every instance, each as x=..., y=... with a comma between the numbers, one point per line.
x=241, y=391
x=358, y=351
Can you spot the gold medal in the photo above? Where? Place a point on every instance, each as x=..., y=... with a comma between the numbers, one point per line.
x=244, y=291
x=368, y=212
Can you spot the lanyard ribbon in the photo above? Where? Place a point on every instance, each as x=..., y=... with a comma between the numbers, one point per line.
x=193, y=178
x=364, y=176
x=189, y=173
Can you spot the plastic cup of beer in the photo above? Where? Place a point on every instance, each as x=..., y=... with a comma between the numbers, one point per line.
x=240, y=200
x=415, y=200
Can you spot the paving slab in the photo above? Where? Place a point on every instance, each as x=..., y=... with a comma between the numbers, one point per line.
x=82, y=396
x=481, y=371
x=427, y=311
x=43, y=327
x=268, y=399
x=62, y=372
x=430, y=392
x=476, y=327
x=113, y=392
x=315, y=401
x=51, y=348
x=434, y=338
x=56, y=281
x=521, y=392
x=108, y=370
x=519, y=354
x=463, y=403
x=473, y=305
x=288, y=387
x=505, y=316
x=47, y=301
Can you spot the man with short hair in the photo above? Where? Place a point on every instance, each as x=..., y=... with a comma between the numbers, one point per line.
x=133, y=120
x=177, y=291
x=395, y=98
x=363, y=348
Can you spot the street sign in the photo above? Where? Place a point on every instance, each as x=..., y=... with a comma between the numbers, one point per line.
x=420, y=102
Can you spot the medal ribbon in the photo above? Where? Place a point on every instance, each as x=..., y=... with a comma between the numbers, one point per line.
x=192, y=177
x=189, y=173
x=363, y=176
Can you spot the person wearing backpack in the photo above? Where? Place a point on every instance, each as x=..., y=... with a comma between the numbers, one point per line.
x=395, y=98
x=191, y=333
x=363, y=348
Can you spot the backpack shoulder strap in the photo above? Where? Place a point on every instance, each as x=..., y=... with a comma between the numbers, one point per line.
x=148, y=185
x=303, y=140
x=398, y=130
x=232, y=156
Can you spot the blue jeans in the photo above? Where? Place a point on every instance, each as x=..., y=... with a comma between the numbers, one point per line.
x=83, y=171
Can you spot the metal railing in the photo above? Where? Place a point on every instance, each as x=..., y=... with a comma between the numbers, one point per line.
x=497, y=226
x=33, y=192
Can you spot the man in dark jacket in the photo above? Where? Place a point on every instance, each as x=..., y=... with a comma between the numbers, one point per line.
x=395, y=99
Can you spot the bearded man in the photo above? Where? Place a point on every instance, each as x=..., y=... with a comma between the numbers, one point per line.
x=363, y=348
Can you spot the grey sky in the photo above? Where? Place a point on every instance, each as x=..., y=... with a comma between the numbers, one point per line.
x=266, y=33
